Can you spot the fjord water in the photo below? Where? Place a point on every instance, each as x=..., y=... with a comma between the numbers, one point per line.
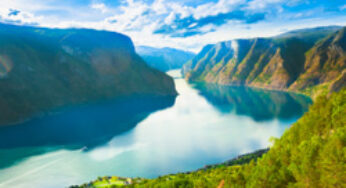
x=144, y=136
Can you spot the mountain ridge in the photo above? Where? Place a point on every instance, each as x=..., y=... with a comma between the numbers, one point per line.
x=42, y=68
x=279, y=63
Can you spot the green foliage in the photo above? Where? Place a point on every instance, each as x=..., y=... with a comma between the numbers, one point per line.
x=311, y=150
x=208, y=176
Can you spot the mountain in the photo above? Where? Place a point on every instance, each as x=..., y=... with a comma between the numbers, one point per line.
x=311, y=153
x=307, y=61
x=164, y=59
x=43, y=69
x=310, y=33
x=325, y=62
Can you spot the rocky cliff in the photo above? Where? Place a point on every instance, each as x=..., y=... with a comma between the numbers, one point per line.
x=309, y=61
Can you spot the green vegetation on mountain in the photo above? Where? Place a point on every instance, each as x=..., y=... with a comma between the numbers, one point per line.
x=114, y=181
x=311, y=153
x=164, y=59
x=311, y=61
x=42, y=69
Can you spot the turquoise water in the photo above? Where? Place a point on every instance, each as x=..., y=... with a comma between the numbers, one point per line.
x=145, y=136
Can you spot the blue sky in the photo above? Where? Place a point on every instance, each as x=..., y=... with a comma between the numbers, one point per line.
x=185, y=24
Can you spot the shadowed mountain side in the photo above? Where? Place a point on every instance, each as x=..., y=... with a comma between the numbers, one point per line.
x=255, y=103
x=77, y=127
x=44, y=69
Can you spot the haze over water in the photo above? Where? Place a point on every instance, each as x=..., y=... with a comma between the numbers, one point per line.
x=207, y=124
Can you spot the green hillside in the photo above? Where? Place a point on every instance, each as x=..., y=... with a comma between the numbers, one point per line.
x=308, y=61
x=311, y=153
x=42, y=69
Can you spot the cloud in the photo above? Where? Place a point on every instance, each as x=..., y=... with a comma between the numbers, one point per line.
x=13, y=12
x=100, y=6
x=213, y=9
x=343, y=7
x=14, y=16
x=133, y=15
x=174, y=19
x=262, y=4
x=189, y=26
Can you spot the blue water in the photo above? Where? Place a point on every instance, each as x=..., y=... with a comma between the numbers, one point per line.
x=145, y=136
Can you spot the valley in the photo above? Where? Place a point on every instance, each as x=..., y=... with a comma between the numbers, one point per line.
x=90, y=108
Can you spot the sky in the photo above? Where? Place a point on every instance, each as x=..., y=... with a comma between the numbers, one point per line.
x=183, y=24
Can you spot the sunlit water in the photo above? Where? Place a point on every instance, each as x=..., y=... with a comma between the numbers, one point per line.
x=207, y=124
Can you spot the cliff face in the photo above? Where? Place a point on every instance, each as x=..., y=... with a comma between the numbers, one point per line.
x=164, y=59
x=299, y=61
x=325, y=63
x=42, y=69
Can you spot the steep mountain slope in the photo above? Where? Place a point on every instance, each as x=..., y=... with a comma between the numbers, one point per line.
x=309, y=154
x=298, y=61
x=42, y=69
x=164, y=59
x=325, y=62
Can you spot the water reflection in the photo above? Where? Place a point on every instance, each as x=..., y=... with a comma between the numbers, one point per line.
x=84, y=126
x=206, y=125
x=256, y=103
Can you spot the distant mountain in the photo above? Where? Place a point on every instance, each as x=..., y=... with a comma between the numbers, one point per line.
x=164, y=59
x=309, y=61
x=42, y=69
x=313, y=34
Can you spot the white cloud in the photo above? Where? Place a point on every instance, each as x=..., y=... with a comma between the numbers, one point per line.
x=132, y=15
x=178, y=9
x=27, y=5
x=20, y=17
x=159, y=7
x=261, y=4
x=170, y=18
x=222, y=6
x=100, y=6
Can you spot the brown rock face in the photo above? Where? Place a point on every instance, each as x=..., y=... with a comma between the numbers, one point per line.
x=297, y=61
x=324, y=63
